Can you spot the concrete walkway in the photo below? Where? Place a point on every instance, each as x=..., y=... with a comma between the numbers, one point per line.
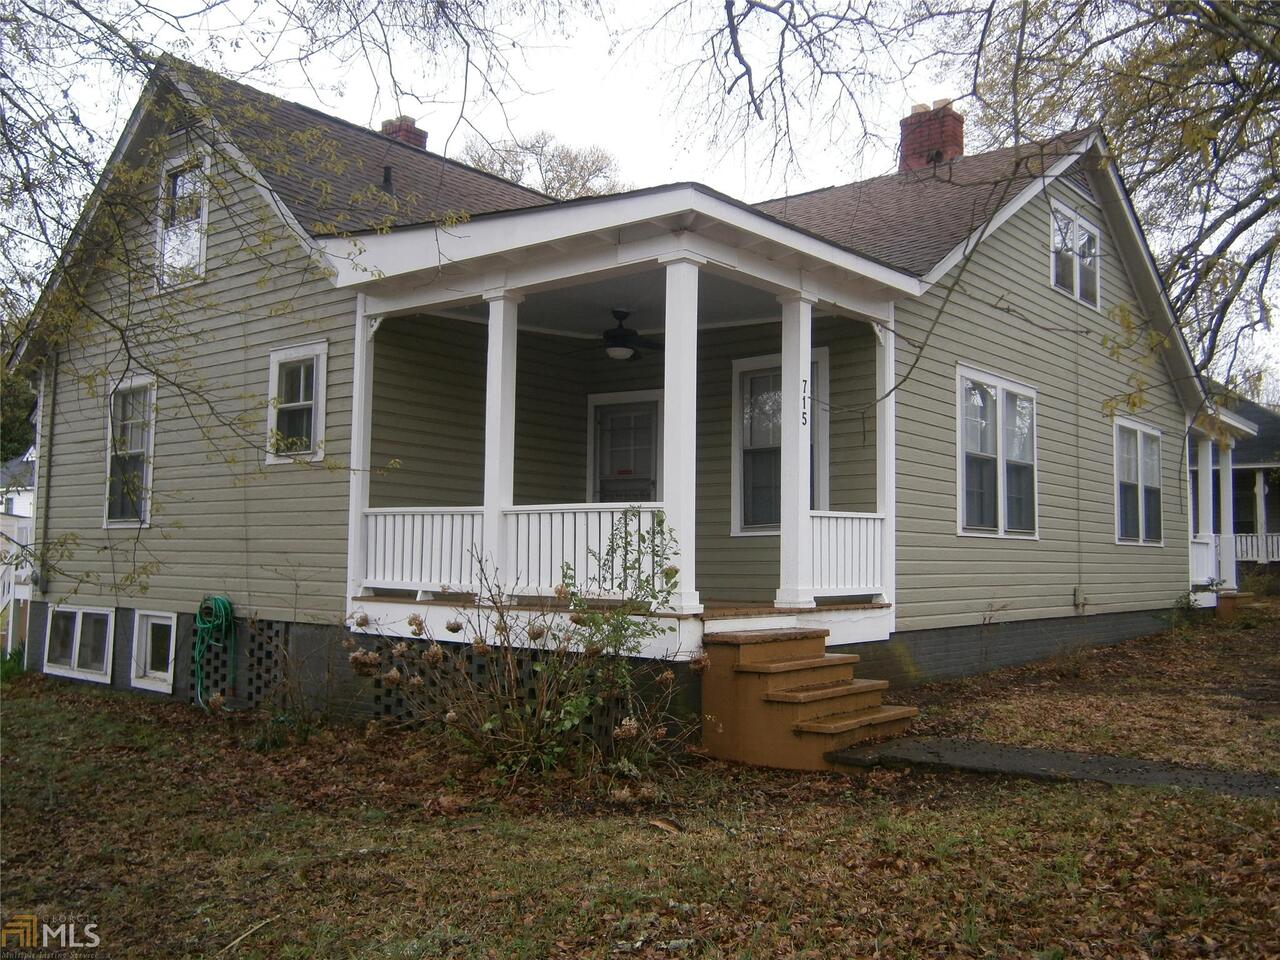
x=977, y=756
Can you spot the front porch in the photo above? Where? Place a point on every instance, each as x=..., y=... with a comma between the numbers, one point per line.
x=509, y=431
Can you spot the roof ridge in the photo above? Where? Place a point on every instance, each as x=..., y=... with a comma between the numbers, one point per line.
x=359, y=128
x=1064, y=136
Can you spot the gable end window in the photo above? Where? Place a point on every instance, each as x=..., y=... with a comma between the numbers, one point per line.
x=130, y=435
x=757, y=442
x=1074, y=248
x=78, y=643
x=182, y=221
x=295, y=403
x=996, y=421
x=1139, y=513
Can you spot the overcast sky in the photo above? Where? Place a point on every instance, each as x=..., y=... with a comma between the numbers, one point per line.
x=614, y=80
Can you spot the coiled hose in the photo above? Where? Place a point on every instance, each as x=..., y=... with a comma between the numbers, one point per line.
x=215, y=626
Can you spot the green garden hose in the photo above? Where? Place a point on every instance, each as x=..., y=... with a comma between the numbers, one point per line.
x=216, y=626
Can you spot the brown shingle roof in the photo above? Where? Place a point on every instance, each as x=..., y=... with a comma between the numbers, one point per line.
x=912, y=220
x=329, y=172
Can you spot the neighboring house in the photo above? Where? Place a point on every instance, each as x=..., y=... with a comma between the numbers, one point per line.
x=18, y=489
x=1255, y=470
x=841, y=435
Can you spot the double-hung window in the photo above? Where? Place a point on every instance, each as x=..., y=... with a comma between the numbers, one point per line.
x=130, y=432
x=1074, y=245
x=1138, y=508
x=996, y=421
x=183, y=212
x=295, y=407
x=153, y=643
x=757, y=441
x=79, y=642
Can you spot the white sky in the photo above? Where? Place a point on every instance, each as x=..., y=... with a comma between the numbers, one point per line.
x=608, y=82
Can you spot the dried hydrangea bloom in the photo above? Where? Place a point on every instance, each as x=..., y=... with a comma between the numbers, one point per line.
x=454, y=626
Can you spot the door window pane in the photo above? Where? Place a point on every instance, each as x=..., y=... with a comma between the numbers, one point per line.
x=626, y=453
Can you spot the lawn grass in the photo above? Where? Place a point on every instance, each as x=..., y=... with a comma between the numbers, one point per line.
x=166, y=829
x=1203, y=693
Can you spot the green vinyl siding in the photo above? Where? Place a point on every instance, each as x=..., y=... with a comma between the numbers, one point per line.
x=1005, y=318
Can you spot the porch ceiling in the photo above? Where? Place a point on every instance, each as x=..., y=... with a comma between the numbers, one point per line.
x=585, y=310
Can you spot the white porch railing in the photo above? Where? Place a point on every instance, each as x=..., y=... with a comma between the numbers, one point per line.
x=540, y=539
x=1204, y=561
x=1258, y=547
x=423, y=548
x=847, y=552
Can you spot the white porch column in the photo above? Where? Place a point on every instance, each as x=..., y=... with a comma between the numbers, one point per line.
x=795, y=587
x=680, y=426
x=500, y=431
x=886, y=465
x=1227, y=515
x=1260, y=514
x=1204, y=487
x=361, y=428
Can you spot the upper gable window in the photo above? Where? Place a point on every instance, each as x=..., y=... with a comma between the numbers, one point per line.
x=997, y=426
x=1074, y=246
x=295, y=407
x=183, y=211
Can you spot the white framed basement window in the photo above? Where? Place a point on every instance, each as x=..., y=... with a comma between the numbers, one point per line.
x=131, y=422
x=78, y=643
x=295, y=403
x=997, y=479
x=182, y=221
x=1139, y=506
x=154, y=636
x=756, y=442
x=1075, y=247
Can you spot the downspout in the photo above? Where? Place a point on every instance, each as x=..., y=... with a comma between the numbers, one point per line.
x=46, y=472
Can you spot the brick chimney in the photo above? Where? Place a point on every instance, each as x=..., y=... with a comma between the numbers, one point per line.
x=406, y=131
x=930, y=136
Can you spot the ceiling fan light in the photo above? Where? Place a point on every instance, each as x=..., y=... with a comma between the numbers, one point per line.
x=620, y=353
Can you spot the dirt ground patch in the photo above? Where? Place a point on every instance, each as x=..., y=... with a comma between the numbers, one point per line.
x=177, y=839
x=1199, y=694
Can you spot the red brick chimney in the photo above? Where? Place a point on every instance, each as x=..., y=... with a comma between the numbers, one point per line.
x=930, y=137
x=406, y=131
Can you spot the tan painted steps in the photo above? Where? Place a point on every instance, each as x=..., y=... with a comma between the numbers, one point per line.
x=775, y=697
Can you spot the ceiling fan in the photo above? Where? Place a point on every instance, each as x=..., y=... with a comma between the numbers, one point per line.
x=623, y=343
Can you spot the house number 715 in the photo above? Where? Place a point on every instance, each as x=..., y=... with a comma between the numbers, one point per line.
x=804, y=402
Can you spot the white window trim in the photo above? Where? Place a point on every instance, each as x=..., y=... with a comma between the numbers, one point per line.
x=1142, y=427
x=202, y=159
x=59, y=670
x=610, y=399
x=1077, y=219
x=139, y=675
x=963, y=373
x=129, y=383
x=318, y=350
x=820, y=433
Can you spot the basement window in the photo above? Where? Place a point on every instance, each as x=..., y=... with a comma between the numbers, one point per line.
x=1138, y=489
x=996, y=422
x=295, y=407
x=78, y=643
x=1074, y=249
x=153, y=643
